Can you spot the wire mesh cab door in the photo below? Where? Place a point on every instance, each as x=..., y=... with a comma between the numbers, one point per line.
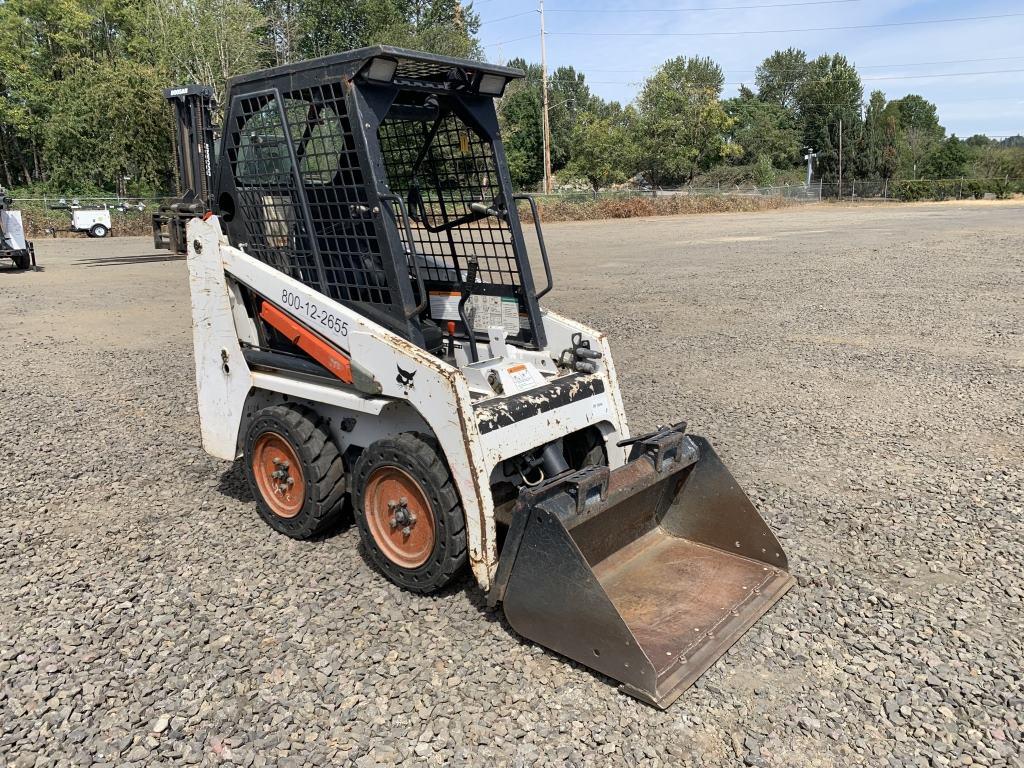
x=314, y=155
x=439, y=151
x=295, y=192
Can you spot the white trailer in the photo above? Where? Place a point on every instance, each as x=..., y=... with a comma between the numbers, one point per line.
x=14, y=245
x=93, y=220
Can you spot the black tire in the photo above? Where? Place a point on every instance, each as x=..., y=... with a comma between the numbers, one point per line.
x=22, y=260
x=323, y=471
x=98, y=230
x=420, y=458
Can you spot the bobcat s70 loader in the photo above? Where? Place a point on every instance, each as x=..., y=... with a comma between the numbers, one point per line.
x=367, y=325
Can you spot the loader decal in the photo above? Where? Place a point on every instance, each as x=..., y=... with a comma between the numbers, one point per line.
x=405, y=378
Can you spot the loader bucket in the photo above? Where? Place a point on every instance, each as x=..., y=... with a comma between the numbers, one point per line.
x=647, y=573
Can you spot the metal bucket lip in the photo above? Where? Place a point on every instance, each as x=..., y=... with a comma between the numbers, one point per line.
x=622, y=617
x=673, y=681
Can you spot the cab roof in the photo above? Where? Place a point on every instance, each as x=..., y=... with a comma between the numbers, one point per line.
x=412, y=66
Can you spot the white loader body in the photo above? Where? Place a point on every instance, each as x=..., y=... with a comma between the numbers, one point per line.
x=438, y=398
x=367, y=325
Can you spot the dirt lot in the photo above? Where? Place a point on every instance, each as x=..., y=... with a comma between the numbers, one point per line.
x=860, y=370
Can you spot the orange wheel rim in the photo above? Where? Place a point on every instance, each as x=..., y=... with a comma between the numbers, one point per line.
x=399, y=517
x=278, y=474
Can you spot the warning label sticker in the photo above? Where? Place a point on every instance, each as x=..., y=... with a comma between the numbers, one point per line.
x=444, y=305
x=519, y=378
x=484, y=311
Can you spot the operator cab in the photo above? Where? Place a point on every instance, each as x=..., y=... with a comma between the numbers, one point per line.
x=378, y=178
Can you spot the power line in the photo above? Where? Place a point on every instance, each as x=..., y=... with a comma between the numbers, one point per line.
x=514, y=40
x=826, y=79
x=673, y=10
x=736, y=33
x=701, y=9
x=506, y=18
x=858, y=66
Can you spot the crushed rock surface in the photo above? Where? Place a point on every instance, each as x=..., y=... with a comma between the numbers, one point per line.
x=860, y=370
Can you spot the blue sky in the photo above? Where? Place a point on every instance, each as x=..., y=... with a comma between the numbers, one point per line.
x=893, y=59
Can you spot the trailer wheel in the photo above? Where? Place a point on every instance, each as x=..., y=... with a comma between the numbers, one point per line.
x=98, y=230
x=22, y=260
x=294, y=470
x=408, y=512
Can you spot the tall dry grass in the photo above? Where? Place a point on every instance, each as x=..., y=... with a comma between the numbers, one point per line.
x=635, y=207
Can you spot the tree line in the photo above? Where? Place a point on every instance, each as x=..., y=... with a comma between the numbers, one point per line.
x=680, y=130
x=81, y=106
x=81, y=109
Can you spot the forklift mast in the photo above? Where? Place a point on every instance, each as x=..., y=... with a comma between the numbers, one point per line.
x=195, y=164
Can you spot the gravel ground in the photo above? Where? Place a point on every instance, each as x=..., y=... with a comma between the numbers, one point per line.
x=859, y=369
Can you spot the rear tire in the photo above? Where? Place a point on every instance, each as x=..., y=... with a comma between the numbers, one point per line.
x=295, y=471
x=409, y=516
x=22, y=260
x=98, y=230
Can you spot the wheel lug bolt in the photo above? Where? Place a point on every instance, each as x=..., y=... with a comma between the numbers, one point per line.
x=403, y=501
x=406, y=531
x=392, y=504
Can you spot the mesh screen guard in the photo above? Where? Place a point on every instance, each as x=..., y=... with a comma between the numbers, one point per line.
x=307, y=161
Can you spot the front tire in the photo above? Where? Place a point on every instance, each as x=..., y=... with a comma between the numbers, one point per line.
x=294, y=471
x=409, y=516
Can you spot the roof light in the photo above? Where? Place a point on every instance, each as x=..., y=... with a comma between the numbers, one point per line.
x=381, y=69
x=492, y=85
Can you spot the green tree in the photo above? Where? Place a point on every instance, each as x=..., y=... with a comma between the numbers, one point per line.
x=949, y=161
x=764, y=128
x=779, y=77
x=603, y=148
x=108, y=129
x=569, y=98
x=312, y=28
x=41, y=41
x=921, y=133
x=682, y=123
x=72, y=71
x=764, y=171
x=831, y=96
x=519, y=114
x=206, y=41
x=880, y=149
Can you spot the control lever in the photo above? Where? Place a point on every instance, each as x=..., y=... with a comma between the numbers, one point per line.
x=486, y=210
x=580, y=357
x=467, y=290
x=451, y=339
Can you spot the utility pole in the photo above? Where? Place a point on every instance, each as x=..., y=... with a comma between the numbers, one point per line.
x=840, y=158
x=544, y=86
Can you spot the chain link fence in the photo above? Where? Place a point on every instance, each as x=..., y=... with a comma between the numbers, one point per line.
x=897, y=190
x=131, y=215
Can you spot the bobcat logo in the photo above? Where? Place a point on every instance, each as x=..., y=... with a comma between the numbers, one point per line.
x=405, y=378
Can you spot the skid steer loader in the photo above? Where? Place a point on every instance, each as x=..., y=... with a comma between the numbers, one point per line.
x=367, y=325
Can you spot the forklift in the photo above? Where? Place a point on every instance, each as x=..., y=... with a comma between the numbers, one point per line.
x=369, y=335
x=194, y=144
